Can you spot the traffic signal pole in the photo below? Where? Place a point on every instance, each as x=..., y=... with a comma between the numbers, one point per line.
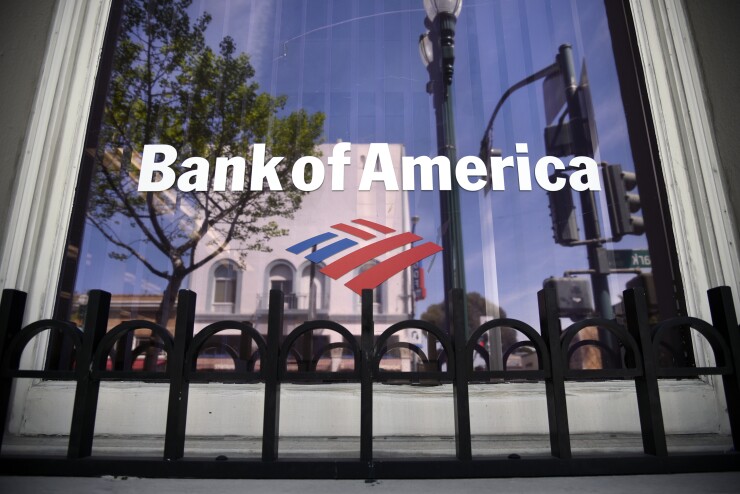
x=597, y=260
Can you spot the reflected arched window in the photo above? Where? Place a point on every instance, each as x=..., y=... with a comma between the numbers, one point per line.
x=377, y=292
x=318, y=285
x=224, y=287
x=281, y=278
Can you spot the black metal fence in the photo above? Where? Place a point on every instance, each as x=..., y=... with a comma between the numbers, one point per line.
x=93, y=346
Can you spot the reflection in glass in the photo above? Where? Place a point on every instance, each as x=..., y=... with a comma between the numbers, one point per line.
x=224, y=294
x=215, y=78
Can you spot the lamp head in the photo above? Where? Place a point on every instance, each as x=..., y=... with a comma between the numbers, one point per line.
x=426, y=50
x=434, y=7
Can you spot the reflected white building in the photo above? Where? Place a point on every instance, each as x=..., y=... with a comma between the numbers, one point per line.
x=232, y=288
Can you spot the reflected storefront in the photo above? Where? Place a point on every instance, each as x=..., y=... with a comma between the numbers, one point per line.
x=296, y=78
x=350, y=72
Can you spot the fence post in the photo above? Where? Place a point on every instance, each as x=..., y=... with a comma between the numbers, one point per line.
x=463, y=447
x=646, y=386
x=367, y=357
x=177, y=406
x=557, y=408
x=271, y=421
x=12, y=306
x=85, y=409
x=123, y=358
x=724, y=319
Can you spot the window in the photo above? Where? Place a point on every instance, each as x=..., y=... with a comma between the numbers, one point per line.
x=96, y=269
x=281, y=278
x=377, y=292
x=225, y=287
x=516, y=236
x=312, y=278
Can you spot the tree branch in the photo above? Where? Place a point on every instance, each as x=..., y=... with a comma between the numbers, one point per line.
x=133, y=214
x=116, y=241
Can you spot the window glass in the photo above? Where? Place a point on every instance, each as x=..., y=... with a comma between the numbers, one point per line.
x=378, y=292
x=281, y=278
x=257, y=80
x=225, y=284
x=312, y=279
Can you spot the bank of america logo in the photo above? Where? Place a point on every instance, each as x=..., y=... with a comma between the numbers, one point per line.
x=364, y=230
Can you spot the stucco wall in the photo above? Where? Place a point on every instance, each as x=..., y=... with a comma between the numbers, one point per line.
x=717, y=40
x=24, y=30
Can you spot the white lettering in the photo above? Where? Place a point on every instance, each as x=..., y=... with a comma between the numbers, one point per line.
x=337, y=161
x=317, y=173
x=194, y=180
x=426, y=166
x=309, y=172
x=587, y=175
x=542, y=173
x=522, y=163
x=149, y=166
x=386, y=174
x=463, y=173
x=262, y=171
x=497, y=171
x=237, y=164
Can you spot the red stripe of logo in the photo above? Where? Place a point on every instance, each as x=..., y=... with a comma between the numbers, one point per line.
x=375, y=226
x=384, y=270
x=344, y=265
x=353, y=231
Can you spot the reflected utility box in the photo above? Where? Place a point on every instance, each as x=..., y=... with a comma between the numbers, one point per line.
x=574, y=296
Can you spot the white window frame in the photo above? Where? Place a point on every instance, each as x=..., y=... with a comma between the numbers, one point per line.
x=42, y=205
x=380, y=292
x=211, y=290
x=267, y=283
x=322, y=299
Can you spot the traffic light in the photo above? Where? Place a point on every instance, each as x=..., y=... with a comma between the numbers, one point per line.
x=577, y=136
x=563, y=215
x=620, y=203
x=573, y=296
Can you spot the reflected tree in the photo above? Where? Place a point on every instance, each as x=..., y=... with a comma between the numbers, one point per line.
x=168, y=86
x=478, y=308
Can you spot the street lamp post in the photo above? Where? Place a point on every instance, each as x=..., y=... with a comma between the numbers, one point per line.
x=437, y=50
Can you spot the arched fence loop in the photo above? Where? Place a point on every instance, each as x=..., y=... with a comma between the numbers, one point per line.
x=243, y=364
x=384, y=345
x=12, y=357
x=631, y=348
x=327, y=349
x=93, y=346
x=720, y=348
x=229, y=350
x=512, y=349
x=613, y=357
x=414, y=350
x=119, y=332
x=534, y=340
x=311, y=374
x=143, y=348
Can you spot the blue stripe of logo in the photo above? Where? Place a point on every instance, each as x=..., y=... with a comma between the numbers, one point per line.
x=330, y=250
x=307, y=244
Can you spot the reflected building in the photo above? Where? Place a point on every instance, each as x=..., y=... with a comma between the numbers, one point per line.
x=234, y=287
x=239, y=290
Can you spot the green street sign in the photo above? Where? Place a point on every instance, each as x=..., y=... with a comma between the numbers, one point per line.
x=629, y=259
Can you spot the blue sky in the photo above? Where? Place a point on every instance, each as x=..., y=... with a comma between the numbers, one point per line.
x=358, y=62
